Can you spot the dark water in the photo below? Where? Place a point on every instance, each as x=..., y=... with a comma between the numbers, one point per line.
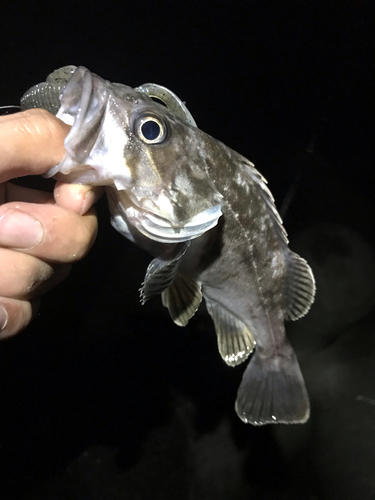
x=104, y=399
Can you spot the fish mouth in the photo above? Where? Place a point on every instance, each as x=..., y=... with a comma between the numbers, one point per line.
x=160, y=219
x=162, y=230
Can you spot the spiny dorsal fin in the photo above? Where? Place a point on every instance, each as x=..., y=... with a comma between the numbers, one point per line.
x=162, y=271
x=300, y=287
x=267, y=197
x=182, y=298
x=235, y=340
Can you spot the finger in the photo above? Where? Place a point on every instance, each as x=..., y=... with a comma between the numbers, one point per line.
x=15, y=315
x=49, y=232
x=31, y=143
x=77, y=197
x=24, y=276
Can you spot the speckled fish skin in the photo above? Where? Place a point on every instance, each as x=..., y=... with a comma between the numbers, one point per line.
x=206, y=214
x=245, y=275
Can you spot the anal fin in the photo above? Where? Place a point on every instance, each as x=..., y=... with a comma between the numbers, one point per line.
x=273, y=391
x=234, y=338
x=182, y=298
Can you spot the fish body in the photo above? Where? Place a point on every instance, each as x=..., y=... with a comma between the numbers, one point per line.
x=206, y=215
x=252, y=283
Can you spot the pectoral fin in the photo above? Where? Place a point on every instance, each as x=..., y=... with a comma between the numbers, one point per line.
x=162, y=271
x=234, y=338
x=300, y=287
x=182, y=299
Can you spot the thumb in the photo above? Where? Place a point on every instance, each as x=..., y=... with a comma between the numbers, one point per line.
x=31, y=143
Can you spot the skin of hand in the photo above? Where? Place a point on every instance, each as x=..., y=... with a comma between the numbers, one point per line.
x=41, y=235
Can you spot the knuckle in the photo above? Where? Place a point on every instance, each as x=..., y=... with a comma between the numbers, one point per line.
x=47, y=280
x=37, y=281
x=23, y=275
x=41, y=123
x=38, y=121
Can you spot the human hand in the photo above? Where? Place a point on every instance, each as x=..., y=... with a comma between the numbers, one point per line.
x=41, y=234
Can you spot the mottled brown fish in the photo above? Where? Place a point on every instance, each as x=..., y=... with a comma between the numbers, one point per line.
x=207, y=216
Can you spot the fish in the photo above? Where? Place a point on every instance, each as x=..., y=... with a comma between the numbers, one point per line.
x=206, y=215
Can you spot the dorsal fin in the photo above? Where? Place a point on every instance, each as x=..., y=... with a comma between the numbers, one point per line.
x=300, y=287
x=182, y=298
x=267, y=197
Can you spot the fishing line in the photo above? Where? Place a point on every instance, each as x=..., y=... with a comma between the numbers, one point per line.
x=9, y=109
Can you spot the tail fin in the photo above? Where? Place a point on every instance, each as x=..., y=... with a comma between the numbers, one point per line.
x=273, y=391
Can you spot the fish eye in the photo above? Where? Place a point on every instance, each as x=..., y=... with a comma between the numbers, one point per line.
x=150, y=129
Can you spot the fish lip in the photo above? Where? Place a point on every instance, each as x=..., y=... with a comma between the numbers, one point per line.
x=162, y=230
x=155, y=216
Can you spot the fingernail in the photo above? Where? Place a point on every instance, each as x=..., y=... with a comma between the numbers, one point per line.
x=88, y=201
x=77, y=197
x=3, y=318
x=20, y=230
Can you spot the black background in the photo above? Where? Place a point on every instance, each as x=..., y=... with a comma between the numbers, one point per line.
x=95, y=371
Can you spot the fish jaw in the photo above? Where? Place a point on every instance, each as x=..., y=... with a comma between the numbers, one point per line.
x=126, y=214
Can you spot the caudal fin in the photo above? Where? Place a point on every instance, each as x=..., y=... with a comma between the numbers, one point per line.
x=273, y=391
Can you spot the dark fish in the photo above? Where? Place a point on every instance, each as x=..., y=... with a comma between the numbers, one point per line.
x=207, y=216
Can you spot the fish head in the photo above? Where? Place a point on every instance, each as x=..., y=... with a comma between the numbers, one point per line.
x=153, y=162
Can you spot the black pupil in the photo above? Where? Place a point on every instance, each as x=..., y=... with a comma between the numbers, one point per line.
x=151, y=130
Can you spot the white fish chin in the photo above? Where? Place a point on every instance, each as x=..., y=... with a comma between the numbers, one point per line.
x=159, y=229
